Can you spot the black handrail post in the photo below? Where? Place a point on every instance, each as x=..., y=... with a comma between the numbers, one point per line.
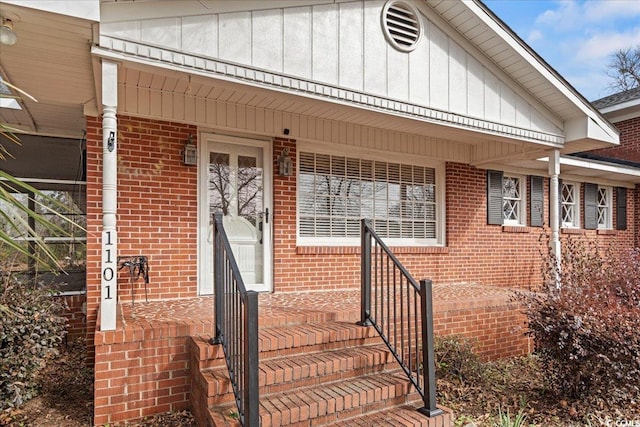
x=218, y=267
x=365, y=274
x=430, y=408
x=251, y=397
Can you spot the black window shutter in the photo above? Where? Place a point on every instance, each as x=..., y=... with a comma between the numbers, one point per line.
x=621, y=208
x=536, y=195
x=590, y=206
x=494, y=197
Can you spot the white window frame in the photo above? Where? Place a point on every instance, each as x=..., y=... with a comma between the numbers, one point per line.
x=608, y=214
x=375, y=156
x=575, y=222
x=522, y=201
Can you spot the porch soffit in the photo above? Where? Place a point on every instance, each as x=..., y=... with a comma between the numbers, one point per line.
x=178, y=72
x=52, y=62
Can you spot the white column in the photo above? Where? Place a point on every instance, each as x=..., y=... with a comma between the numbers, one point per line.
x=109, y=289
x=554, y=205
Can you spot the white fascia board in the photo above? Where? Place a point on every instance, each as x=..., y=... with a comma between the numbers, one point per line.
x=582, y=128
x=622, y=106
x=83, y=9
x=540, y=67
x=600, y=166
x=623, y=174
x=624, y=111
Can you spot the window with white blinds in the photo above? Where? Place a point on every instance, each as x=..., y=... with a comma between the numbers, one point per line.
x=336, y=192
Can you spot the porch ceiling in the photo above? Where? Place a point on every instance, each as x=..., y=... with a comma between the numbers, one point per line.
x=51, y=61
x=138, y=75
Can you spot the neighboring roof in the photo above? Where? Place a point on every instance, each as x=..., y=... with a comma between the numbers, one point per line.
x=620, y=106
x=617, y=98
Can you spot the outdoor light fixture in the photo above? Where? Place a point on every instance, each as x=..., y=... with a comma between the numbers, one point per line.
x=111, y=141
x=285, y=165
x=7, y=35
x=190, y=154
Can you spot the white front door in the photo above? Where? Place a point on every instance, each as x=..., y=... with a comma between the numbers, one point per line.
x=233, y=179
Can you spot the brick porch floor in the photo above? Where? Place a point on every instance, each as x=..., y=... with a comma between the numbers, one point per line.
x=276, y=308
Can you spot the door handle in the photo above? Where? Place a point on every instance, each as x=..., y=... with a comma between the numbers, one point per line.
x=264, y=215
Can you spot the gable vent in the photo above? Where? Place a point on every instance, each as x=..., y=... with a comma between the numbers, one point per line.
x=401, y=25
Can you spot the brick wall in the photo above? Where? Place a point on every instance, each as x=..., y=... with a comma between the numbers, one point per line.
x=629, y=149
x=76, y=319
x=495, y=326
x=142, y=369
x=157, y=217
x=157, y=209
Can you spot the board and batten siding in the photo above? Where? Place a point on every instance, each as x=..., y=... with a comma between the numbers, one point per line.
x=343, y=45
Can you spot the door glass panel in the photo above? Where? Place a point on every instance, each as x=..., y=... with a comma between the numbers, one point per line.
x=249, y=189
x=219, y=183
x=236, y=190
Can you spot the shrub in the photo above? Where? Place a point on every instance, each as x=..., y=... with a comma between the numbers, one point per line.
x=30, y=331
x=586, y=319
x=455, y=358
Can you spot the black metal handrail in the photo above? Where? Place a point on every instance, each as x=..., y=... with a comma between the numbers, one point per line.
x=236, y=326
x=402, y=314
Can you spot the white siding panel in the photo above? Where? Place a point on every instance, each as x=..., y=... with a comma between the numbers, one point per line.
x=375, y=48
x=267, y=39
x=351, y=46
x=143, y=101
x=178, y=106
x=439, y=68
x=523, y=113
x=297, y=41
x=508, y=106
x=126, y=30
x=200, y=34
x=419, y=70
x=475, y=88
x=325, y=44
x=398, y=75
x=211, y=111
x=201, y=110
x=457, y=78
x=131, y=98
x=189, y=108
x=155, y=101
x=491, y=97
x=235, y=37
x=162, y=32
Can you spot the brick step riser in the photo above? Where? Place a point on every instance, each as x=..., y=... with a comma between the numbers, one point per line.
x=221, y=391
x=306, y=319
x=266, y=355
x=324, y=346
x=325, y=410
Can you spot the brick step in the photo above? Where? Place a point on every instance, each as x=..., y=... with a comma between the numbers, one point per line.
x=399, y=416
x=304, y=316
x=205, y=355
x=327, y=402
x=286, y=340
x=301, y=370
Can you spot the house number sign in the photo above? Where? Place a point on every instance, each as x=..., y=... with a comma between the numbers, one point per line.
x=109, y=283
